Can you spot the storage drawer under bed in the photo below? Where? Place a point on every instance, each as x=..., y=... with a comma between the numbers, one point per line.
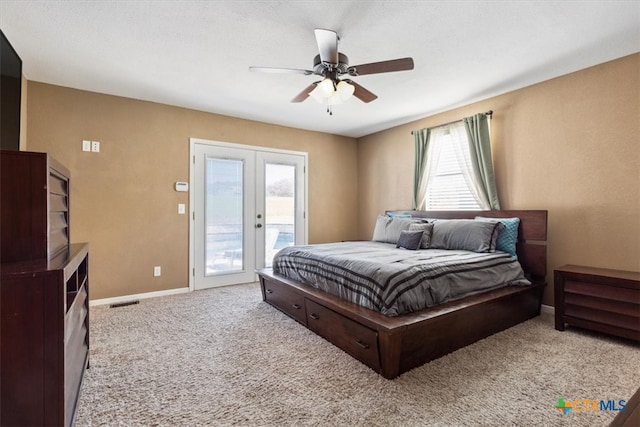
x=285, y=299
x=354, y=338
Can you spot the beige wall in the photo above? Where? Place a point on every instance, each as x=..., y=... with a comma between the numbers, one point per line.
x=122, y=199
x=568, y=145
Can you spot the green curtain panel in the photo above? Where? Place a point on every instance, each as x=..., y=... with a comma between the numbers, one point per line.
x=421, y=138
x=480, y=150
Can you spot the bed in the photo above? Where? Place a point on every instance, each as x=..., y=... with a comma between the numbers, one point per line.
x=402, y=339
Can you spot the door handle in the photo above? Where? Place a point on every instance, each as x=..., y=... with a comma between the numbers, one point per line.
x=258, y=225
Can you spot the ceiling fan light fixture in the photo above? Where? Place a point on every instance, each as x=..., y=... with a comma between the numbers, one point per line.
x=317, y=95
x=335, y=99
x=345, y=89
x=329, y=93
x=326, y=87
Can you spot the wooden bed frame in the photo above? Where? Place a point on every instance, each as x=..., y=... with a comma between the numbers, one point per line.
x=394, y=345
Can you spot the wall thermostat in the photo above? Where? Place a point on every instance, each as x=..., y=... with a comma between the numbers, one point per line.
x=182, y=186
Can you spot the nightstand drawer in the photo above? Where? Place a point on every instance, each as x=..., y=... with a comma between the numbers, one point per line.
x=602, y=291
x=604, y=317
x=602, y=304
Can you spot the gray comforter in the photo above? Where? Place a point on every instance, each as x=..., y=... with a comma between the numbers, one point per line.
x=394, y=281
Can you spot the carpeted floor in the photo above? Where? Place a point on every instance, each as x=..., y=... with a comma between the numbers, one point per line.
x=224, y=357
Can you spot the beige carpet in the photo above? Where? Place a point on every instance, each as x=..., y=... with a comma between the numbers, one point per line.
x=224, y=357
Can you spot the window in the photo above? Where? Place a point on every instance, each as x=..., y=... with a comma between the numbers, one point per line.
x=453, y=167
x=450, y=183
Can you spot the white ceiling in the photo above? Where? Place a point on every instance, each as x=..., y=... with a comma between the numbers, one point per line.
x=196, y=54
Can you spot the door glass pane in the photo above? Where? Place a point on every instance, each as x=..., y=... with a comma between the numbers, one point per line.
x=279, y=208
x=223, y=217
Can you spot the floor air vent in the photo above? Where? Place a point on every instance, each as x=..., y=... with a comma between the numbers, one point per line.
x=123, y=304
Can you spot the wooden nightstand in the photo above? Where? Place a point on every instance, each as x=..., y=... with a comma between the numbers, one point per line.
x=599, y=299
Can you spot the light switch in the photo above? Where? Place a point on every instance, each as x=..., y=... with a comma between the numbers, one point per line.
x=181, y=208
x=95, y=146
x=86, y=145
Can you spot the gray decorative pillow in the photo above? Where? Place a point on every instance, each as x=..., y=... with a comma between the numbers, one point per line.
x=387, y=229
x=410, y=239
x=427, y=230
x=465, y=234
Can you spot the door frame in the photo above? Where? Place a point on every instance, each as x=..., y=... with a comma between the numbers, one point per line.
x=213, y=143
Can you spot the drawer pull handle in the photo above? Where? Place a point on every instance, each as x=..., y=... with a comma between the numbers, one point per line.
x=314, y=316
x=296, y=306
x=269, y=291
x=363, y=345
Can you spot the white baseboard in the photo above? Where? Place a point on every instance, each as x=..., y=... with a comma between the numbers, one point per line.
x=547, y=309
x=127, y=298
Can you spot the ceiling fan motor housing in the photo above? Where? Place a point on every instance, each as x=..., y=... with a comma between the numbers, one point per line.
x=320, y=67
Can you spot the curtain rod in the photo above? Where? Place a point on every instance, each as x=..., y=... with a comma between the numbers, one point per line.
x=488, y=113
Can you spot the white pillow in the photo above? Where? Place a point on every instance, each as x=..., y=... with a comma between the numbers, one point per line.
x=388, y=229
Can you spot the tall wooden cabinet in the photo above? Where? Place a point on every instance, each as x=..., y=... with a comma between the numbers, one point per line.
x=44, y=295
x=35, y=206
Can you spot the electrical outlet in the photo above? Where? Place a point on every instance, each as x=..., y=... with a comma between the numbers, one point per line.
x=95, y=146
x=86, y=145
x=157, y=271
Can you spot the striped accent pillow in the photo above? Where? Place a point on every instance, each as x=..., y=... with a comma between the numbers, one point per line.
x=508, y=237
x=427, y=230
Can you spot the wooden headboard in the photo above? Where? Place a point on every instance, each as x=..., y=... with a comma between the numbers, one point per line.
x=532, y=234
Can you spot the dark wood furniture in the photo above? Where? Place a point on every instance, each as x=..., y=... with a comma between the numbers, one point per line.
x=630, y=417
x=394, y=345
x=34, y=218
x=44, y=295
x=45, y=338
x=599, y=299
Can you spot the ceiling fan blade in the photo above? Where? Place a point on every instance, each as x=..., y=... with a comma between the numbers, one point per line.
x=327, y=45
x=305, y=93
x=361, y=93
x=280, y=70
x=402, y=64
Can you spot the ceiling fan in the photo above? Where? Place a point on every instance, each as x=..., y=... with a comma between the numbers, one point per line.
x=331, y=65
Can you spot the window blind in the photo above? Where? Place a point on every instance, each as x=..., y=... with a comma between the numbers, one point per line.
x=448, y=189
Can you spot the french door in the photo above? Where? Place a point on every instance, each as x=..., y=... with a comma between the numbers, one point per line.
x=247, y=203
